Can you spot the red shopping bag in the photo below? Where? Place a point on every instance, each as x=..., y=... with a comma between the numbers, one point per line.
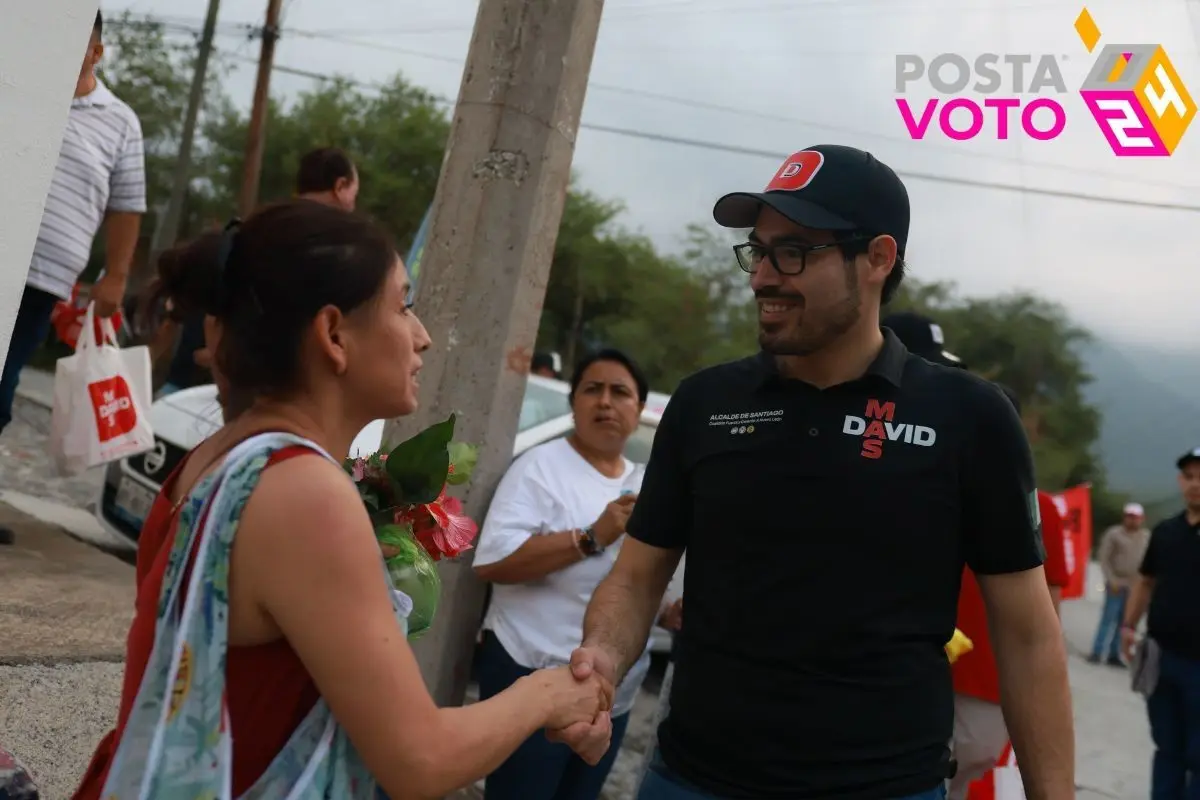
x=67, y=319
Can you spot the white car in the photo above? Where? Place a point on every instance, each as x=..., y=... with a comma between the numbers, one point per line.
x=184, y=419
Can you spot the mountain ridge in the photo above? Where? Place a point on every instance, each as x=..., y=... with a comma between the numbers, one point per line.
x=1150, y=402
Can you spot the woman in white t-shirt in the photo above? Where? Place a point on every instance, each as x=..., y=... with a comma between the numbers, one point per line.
x=551, y=535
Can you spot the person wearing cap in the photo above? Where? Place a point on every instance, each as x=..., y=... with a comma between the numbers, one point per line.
x=1169, y=584
x=828, y=491
x=980, y=732
x=923, y=337
x=1120, y=554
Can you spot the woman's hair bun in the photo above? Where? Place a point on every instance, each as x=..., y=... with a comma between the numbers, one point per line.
x=188, y=275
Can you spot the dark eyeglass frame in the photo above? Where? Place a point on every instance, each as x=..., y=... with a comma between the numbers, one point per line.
x=743, y=253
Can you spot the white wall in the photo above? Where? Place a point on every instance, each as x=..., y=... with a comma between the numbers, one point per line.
x=42, y=45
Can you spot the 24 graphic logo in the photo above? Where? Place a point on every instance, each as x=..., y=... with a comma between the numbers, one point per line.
x=1135, y=95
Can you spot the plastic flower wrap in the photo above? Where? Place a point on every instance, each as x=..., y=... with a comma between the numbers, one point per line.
x=416, y=523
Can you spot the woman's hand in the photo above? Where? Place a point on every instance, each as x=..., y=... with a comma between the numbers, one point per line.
x=611, y=524
x=567, y=700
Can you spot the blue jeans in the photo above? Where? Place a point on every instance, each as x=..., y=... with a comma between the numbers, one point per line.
x=540, y=769
x=1174, y=710
x=1108, y=632
x=30, y=330
x=661, y=783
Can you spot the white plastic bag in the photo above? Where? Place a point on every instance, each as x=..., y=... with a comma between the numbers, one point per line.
x=1006, y=778
x=102, y=397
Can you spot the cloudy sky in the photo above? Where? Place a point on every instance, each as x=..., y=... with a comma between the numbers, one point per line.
x=778, y=75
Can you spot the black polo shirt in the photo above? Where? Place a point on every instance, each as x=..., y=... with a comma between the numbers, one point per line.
x=826, y=532
x=1173, y=560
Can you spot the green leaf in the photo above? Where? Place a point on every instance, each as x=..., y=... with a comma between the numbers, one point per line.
x=418, y=466
x=464, y=457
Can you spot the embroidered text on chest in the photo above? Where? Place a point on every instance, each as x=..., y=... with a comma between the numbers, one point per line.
x=745, y=421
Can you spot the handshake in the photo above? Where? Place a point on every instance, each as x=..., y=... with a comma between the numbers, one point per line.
x=579, y=701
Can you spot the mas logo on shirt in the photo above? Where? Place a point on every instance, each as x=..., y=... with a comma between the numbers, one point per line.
x=878, y=425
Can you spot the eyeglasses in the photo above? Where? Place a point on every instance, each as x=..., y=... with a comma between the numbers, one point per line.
x=788, y=258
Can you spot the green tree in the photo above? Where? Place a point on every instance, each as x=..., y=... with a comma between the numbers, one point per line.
x=1032, y=346
x=610, y=287
x=396, y=137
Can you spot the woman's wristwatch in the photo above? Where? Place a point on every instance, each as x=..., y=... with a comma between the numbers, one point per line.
x=587, y=542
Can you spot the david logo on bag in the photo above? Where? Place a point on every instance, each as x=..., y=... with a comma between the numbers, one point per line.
x=116, y=415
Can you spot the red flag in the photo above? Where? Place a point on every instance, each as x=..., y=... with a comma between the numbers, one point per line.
x=1076, y=505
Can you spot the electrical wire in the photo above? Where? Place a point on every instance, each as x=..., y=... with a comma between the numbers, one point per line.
x=776, y=155
x=756, y=152
x=742, y=112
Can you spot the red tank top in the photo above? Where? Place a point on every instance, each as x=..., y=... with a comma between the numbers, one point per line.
x=267, y=688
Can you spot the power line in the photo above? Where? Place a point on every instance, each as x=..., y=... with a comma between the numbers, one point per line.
x=641, y=11
x=742, y=112
x=708, y=106
x=776, y=155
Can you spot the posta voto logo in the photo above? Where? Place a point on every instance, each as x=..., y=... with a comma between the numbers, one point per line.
x=1133, y=92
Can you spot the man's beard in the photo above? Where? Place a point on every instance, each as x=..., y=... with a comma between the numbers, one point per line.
x=839, y=319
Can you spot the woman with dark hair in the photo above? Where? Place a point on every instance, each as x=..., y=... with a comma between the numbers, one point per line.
x=551, y=535
x=273, y=664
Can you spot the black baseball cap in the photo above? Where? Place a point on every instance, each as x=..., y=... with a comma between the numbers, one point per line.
x=1188, y=458
x=827, y=187
x=922, y=336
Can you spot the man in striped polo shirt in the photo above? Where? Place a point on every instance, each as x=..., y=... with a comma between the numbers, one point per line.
x=99, y=180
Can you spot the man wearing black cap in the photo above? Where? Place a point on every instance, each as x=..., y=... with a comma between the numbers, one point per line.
x=922, y=337
x=828, y=492
x=1170, y=586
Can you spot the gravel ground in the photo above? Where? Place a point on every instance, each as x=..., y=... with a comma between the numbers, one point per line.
x=52, y=717
x=25, y=464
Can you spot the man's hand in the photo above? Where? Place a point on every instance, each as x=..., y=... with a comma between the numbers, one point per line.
x=108, y=294
x=589, y=740
x=588, y=659
x=1129, y=640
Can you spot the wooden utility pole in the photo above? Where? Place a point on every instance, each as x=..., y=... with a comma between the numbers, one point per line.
x=167, y=230
x=256, y=135
x=495, y=220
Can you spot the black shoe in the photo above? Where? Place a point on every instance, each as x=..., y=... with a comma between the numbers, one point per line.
x=1093, y=659
x=1115, y=662
x=7, y=536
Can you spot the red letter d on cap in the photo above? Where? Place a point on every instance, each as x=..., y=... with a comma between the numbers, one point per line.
x=797, y=172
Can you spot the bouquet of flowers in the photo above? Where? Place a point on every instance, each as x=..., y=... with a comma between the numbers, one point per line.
x=416, y=523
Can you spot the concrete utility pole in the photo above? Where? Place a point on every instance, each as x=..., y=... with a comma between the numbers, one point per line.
x=168, y=227
x=487, y=260
x=256, y=135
